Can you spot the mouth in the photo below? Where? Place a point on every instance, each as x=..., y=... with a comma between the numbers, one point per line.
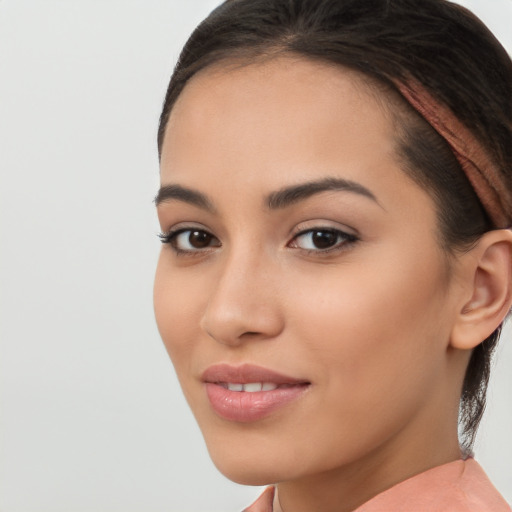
x=253, y=387
x=250, y=393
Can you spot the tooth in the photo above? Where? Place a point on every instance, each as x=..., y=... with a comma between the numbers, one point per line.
x=252, y=387
x=235, y=387
x=268, y=386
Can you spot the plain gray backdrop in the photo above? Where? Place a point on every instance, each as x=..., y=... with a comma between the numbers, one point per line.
x=92, y=418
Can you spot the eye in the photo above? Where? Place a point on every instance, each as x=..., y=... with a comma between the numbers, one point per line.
x=189, y=240
x=321, y=239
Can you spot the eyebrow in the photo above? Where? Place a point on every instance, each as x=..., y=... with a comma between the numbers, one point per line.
x=291, y=195
x=184, y=194
x=280, y=199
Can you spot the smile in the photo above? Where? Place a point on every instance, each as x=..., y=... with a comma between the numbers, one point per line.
x=249, y=393
x=251, y=387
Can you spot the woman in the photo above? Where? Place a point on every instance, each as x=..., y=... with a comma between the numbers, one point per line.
x=335, y=205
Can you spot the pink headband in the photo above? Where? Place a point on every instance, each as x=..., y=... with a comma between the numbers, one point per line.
x=480, y=169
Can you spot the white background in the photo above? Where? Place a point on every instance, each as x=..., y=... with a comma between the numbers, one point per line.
x=92, y=418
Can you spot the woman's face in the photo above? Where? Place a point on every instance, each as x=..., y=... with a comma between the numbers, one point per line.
x=302, y=295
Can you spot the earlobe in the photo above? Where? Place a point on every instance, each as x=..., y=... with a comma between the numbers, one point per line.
x=488, y=273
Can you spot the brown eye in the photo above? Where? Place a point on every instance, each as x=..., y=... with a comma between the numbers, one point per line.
x=324, y=239
x=199, y=239
x=190, y=240
x=321, y=239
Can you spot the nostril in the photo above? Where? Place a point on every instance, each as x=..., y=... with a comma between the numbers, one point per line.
x=251, y=335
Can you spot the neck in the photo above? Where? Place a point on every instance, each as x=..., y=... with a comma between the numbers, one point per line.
x=428, y=440
x=347, y=487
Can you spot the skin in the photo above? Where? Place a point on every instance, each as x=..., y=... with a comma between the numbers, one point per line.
x=368, y=323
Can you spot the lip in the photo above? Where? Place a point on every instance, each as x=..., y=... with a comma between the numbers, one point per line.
x=246, y=373
x=245, y=407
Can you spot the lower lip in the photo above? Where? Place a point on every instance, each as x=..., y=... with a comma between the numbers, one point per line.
x=244, y=407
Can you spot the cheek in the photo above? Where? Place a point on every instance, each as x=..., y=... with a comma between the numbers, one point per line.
x=373, y=341
x=373, y=328
x=176, y=303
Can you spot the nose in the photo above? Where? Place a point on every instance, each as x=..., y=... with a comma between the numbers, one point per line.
x=243, y=303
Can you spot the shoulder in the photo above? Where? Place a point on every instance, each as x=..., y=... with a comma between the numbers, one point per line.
x=477, y=492
x=459, y=486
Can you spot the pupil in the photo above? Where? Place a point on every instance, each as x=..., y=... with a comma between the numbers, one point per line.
x=324, y=239
x=199, y=239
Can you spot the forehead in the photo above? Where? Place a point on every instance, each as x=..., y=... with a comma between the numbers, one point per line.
x=238, y=134
x=298, y=75
x=288, y=107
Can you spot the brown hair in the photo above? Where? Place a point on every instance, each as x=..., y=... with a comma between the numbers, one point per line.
x=437, y=43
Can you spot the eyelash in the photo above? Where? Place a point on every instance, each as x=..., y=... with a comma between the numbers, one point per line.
x=343, y=239
x=171, y=238
x=346, y=240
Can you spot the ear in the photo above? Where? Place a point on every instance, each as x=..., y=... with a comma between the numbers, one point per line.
x=487, y=297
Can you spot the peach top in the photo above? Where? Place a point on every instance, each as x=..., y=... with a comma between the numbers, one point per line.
x=459, y=486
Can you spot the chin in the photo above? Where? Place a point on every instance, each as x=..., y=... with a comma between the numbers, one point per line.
x=246, y=473
x=250, y=462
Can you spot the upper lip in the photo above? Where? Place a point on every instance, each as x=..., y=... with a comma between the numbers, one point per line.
x=246, y=373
